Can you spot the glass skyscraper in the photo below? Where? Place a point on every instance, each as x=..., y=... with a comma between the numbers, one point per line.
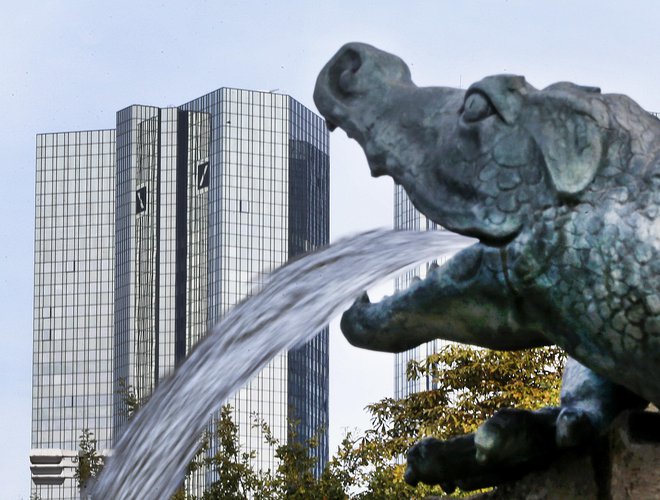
x=72, y=375
x=407, y=217
x=145, y=236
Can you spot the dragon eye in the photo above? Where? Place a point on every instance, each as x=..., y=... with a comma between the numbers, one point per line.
x=477, y=107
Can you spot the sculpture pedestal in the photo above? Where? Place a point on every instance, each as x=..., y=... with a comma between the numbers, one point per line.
x=623, y=465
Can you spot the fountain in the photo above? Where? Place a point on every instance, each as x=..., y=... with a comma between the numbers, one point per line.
x=295, y=302
x=561, y=188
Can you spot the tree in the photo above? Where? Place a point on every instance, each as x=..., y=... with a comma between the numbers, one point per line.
x=90, y=462
x=470, y=385
x=130, y=401
x=221, y=453
x=293, y=477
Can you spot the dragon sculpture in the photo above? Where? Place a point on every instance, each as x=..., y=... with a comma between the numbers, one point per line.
x=561, y=186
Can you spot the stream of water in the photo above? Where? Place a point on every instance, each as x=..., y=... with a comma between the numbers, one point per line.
x=295, y=302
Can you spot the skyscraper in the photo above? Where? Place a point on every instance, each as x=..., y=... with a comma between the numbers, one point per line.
x=407, y=217
x=72, y=373
x=145, y=236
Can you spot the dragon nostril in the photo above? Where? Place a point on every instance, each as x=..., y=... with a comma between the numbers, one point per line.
x=344, y=70
x=346, y=82
x=353, y=59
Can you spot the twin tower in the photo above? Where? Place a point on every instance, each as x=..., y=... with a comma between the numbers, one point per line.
x=145, y=236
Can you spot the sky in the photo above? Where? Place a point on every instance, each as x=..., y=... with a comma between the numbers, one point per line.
x=70, y=65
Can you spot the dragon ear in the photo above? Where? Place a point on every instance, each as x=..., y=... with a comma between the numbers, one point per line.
x=570, y=135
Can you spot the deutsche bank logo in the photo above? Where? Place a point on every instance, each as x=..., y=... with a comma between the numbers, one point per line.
x=203, y=175
x=141, y=200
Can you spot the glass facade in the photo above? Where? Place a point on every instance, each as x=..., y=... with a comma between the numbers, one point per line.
x=72, y=380
x=269, y=202
x=161, y=255
x=307, y=383
x=406, y=217
x=209, y=197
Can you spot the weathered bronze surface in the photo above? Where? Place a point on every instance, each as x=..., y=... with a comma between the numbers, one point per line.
x=562, y=188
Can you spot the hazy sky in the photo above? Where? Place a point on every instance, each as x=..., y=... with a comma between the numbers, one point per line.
x=70, y=65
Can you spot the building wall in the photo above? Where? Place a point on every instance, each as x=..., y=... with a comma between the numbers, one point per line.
x=73, y=302
x=209, y=197
x=161, y=246
x=406, y=217
x=309, y=228
x=136, y=253
x=259, y=141
x=248, y=214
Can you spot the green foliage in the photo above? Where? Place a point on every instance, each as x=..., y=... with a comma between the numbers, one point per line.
x=468, y=386
x=90, y=462
x=221, y=453
x=129, y=398
x=366, y=468
x=294, y=477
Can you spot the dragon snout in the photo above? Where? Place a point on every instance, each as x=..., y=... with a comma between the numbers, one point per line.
x=339, y=82
x=358, y=68
x=352, y=78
